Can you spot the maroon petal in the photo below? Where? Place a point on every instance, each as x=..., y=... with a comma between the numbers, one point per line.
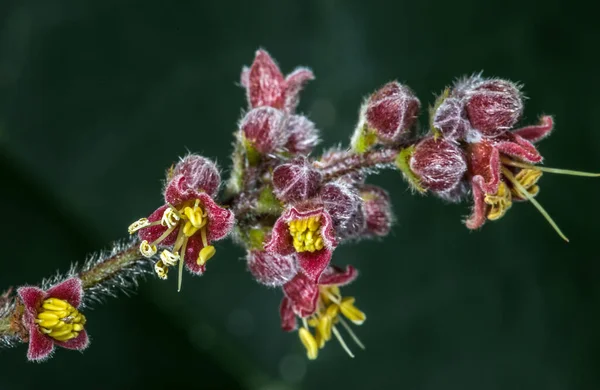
x=79, y=343
x=516, y=146
x=179, y=190
x=70, y=290
x=32, y=298
x=280, y=241
x=303, y=294
x=478, y=215
x=201, y=174
x=192, y=250
x=266, y=86
x=314, y=263
x=40, y=345
x=296, y=180
x=536, y=133
x=337, y=276
x=288, y=317
x=152, y=233
x=220, y=219
x=484, y=164
x=294, y=82
x=271, y=269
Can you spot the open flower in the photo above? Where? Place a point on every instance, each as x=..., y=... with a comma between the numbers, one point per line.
x=321, y=307
x=189, y=221
x=52, y=318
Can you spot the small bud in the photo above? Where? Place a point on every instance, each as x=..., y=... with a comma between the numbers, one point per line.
x=377, y=210
x=451, y=119
x=391, y=111
x=264, y=81
x=438, y=164
x=494, y=106
x=302, y=136
x=343, y=203
x=200, y=173
x=263, y=129
x=295, y=181
x=271, y=269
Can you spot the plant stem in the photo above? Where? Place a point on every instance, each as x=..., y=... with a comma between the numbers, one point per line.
x=111, y=266
x=351, y=162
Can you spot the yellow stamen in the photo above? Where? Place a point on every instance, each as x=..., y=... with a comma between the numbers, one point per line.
x=309, y=342
x=161, y=270
x=59, y=320
x=168, y=258
x=306, y=234
x=324, y=327
x=507, y=161
x=351, y=333
x=205, y=254
x=500, y=202
x=338, y=336
x=508, y=174
x=140, y=224
x=528, y=179
x=351, y=312
x=147, y=250
x=170, y=217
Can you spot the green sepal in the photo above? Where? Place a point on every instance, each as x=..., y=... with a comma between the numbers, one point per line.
x=268, y=203
x=402, y=163
x=364, y=140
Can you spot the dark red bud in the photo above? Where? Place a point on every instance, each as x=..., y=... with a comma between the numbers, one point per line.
x=451, y=119
x=263, y=129
x=302, y=135
x=377, y=210
x=200, y=173
x=439, y=164
x=295, y=181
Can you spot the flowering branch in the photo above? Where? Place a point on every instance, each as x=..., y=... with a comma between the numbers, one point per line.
x=291, y=210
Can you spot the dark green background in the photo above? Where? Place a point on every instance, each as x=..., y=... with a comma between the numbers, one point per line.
x=98, y=98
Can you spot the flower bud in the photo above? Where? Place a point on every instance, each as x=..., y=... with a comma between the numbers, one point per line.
x=264, y=82
x=200, y=173
x=391, y=111
x=271, y=269
x=302, y=136
x=451, y=120
x=343, y=203
x=263, y=129
x=494, y=106
x=295, y=181
x=377, y=210
x=438, y=164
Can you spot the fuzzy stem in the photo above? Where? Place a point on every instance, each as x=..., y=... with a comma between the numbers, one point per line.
x=110, y=267
x=351, y=162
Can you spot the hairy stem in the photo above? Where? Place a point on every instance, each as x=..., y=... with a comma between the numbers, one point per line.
x=111, y=266
x=351, y=162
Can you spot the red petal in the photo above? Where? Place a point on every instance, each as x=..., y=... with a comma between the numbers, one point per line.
x=152, y=233
x=70, y=290
x=294, y=82
x=194, y=245
x=40, y=345
x=281, y=241
x=516, y=146
x=337, y=276
x=220, y=219
x=478, y=215
x=32, y=298
x=79, y=343
x=178, y=191
x=536, y=133
x=288, y=317
x=265, y=82
x=484, y=164
x=303, y=293
x=314, y=263
x=271, y=269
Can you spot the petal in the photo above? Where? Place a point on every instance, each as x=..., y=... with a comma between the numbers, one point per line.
x=265, y=82
x=220, y=219
x=314, y=263
x=478, y=215
x=192, y=250
x=32, y=298
x=288, y=317
x=152, y=233
x=280, y=240
x=201, y=173
x=179, y=190
x=517, y=146
x=271, y=269
x=40, y=345
x=337, y=276
x=295, y=181
x=536, y=133
x=70, y=290
x=294, y=82
x=484, y=164
x=79, y=343
x=303, y=294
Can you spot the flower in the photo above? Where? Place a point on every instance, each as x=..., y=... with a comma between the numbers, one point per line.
x=189, y=221
x=52, y=318
x=305, y=229
x=321, y=307
x=266, y=86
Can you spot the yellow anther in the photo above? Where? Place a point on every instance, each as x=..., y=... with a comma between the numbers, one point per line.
x=161, y=270
x=170, y=218
x=351, y=312
x=306, y=234
x=324, y=327
x=59, y=320
x=528, y=179
x=309, y=342
x=205, y=254
x=332, y=311
x=168, y=258
x=139, y=224
x=500, y=202
x=147, y=250
x=195, y=215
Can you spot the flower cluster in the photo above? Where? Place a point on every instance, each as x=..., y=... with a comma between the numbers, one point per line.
x=290, y=210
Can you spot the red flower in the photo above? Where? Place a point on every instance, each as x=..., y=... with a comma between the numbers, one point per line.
x=319, y=306
x=189, y=221
x=52, y=318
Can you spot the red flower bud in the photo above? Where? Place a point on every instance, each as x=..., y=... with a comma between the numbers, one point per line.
x=451, y=119
x=439, y=164
x=377, y=210
x=391, y=111
x=494, y=106
x=302, y=136
x=271, y=269
x=263, y=128
x=343, y=203
x=295, y=181
x=200, y=173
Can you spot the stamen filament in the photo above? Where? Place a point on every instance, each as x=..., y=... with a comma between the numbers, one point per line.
x=181, y=261
x=332, y=297
x=164, y=235
x=533, y=201
x=338, y=336
x=558, y=171
x=351, y=333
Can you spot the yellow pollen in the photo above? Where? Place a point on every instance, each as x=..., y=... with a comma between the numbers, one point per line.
x=59, y=320
x=147, y=250
x=170, y=217
x=137, y=225
x=309, y=342
x=351, y=312
x=161, y=269
x=168, y=258
x=528, y=179
x=500, y=202
x=306, y=234
x=205, y=254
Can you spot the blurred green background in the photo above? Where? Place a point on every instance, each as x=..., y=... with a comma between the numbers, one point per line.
x=98, y=98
